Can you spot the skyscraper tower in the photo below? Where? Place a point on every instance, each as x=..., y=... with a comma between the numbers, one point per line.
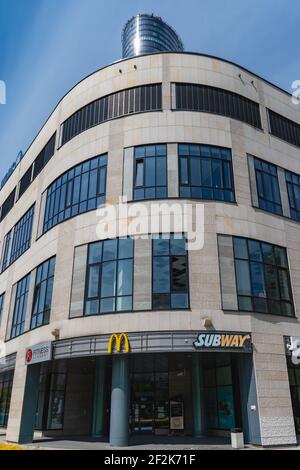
x=145, y=34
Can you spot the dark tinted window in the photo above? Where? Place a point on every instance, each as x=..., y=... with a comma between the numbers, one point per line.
x=109, y=277
x=205, y=172
x=79, y=190
x=191, y=97
x=42, y=296
x=170, y=273
x=134, y=100
x=262, y=276
x=20, y=307
x=284, y=128
x=267, y=186
x=293, y=187
x=6, y=382
x=8, y=204
x=25, y=181
x=150, y=172
x=17, y=240
x=44, y=156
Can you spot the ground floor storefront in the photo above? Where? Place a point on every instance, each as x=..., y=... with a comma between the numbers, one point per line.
x=122, y=387
x=167, y=394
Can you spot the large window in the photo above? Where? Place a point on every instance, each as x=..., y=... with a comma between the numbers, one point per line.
x=6, y=381
x=109, y=278
x=170, y=273
x=17, y=240
x=293, y=187
x=150, y=405
x=79, y=190
x=267, y=186
x=42, y=296
x=218, y=392
x=192, y=97
x=262, y=276
x=57, y=400
x=20, y=307
x=205, y=172
x=284, y=128
x=133, y=100
x=150, y=172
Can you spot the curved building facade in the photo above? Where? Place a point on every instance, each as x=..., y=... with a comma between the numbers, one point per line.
x=197, y=327
x=146, y=34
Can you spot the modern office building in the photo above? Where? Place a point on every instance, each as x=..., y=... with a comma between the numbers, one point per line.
x=110, y=337
x=145, y=34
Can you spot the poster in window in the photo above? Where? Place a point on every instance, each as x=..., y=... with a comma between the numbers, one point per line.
x=226, y=408
x=176, y=415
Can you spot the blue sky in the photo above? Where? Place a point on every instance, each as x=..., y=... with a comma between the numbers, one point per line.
x=46, y=46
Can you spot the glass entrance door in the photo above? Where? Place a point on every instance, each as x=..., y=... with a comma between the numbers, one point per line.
x=143, y=414
x=150, y=394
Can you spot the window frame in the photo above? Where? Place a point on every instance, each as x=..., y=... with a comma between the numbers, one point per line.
x=6, y=381
x=290, y=186
x=102, y=109
x=12, y=239
x=19, y=315
x=212, y=188
x=271, y=177
x=67, y=182
x=267, y=299
x=37, y=292
x=155, y=187
x=170, y=256
x=235, y=106
x=100, y=264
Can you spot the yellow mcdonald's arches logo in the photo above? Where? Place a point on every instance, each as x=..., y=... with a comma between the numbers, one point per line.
x=118, y=340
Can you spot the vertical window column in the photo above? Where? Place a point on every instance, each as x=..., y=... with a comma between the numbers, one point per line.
x=268, y=191
x=6, y=381
x=170, y=273
x=42, y=295
x=270, y=187
x=293, y=188
x=109, y=277
x=150, y=172
x=17, y=240
x=20, y=307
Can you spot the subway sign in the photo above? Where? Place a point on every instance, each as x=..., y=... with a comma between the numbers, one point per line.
x=223, y=341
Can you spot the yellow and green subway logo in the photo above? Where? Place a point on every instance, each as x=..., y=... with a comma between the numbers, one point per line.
x=223, y=341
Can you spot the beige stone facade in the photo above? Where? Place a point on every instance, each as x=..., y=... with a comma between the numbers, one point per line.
x=235, y=219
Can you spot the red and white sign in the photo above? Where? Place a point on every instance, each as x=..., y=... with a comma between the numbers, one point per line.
x=38, y=353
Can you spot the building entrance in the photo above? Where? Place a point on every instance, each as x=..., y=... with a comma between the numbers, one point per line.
x=161, y=394
x=162, y=399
